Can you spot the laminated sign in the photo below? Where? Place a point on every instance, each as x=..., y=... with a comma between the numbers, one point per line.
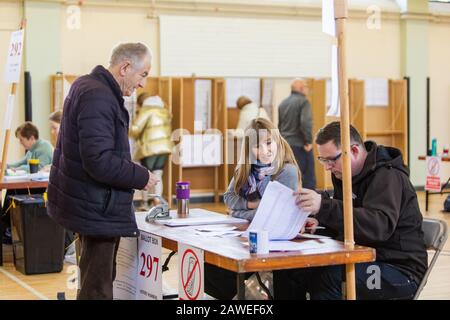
x=433, y=182
x=191, y=273
x=14, y=58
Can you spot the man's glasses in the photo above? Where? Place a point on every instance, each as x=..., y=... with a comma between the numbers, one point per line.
x=329, y=161
x=332, y=161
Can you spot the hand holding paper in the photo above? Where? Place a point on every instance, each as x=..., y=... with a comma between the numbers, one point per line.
x=308, y=200
x=278, y=214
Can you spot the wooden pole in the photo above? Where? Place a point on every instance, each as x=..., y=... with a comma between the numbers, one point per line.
x=8, y=130
x=341, y=14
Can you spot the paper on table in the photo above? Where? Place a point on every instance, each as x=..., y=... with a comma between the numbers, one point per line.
x=11, y=172
x=297, y=246
x=311, y=236
x=215, y=227
x=199, y=217
x=278, y=214
x=221, y=234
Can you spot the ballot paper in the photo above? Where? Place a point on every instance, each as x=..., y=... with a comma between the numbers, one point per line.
x=278, y=214
x=199, y=217
x=218, y=230
x=299, y=246
x=311, y=236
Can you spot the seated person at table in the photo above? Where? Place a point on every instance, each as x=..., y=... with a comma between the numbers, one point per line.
x=386, y=217
x=40, y=149
x=265, y=156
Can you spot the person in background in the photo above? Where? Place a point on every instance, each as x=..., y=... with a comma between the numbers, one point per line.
x=152, y=131
x=248, y=112
x=28, y=135
x=265, y=157
x=295, y=123
x=55, y=123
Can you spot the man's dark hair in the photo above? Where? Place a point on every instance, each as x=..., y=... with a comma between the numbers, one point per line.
x=27, y=130
x=332, y=132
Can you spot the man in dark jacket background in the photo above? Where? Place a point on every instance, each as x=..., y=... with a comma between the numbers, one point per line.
x=386, y=217
x=295, y=124
x=92, y=176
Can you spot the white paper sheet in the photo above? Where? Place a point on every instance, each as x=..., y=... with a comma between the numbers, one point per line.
x=203, y=89
x=278, y=214
x=377, y=92
x=267, y=95
x=328, y=22
x=220, y=234
x=311, y=236
x=236, y=87
x=298, y=246
x=124, y=286
x=334, y=110
x=9, y=112
x=199, y=217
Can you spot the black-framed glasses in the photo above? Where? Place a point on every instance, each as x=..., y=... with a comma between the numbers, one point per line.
x=329, y=161
x=332, y=161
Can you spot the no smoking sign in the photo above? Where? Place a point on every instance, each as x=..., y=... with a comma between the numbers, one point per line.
x=433, y=181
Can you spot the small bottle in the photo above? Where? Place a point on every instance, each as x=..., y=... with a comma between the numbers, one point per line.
x=434, y=147
x=183, y=195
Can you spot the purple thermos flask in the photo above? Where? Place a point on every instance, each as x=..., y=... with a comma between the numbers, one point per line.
x=183, y=194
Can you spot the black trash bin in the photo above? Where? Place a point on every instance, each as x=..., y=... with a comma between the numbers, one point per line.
x=38, y=241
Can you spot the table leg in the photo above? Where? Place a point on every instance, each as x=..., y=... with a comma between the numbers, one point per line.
x=2, y=230
x=240, y=286
x=426, y=200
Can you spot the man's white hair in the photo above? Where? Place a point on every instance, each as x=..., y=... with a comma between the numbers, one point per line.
x=133, y=52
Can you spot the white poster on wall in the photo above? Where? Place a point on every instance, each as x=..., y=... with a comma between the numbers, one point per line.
x=190, y=273
x=14, y=59
x=376, y=92
x=237, y=87
x=203, y=103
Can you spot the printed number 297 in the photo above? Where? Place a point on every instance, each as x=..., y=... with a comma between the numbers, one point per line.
x=147, y=265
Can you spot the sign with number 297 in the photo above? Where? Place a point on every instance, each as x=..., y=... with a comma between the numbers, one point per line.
x=149, y=278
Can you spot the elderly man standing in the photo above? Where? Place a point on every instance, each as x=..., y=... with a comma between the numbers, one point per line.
x=295, y=124
x=92, y=176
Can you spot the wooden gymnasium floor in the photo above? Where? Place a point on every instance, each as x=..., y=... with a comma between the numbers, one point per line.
x=14, y=285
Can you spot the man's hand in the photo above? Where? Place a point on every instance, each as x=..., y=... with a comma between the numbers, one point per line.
x=308, y=200
x=152, y=181
x=307, y=147
x=253, y=204
x=310, y=225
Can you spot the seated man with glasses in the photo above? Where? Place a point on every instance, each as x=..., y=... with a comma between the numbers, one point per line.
x=386, y=217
